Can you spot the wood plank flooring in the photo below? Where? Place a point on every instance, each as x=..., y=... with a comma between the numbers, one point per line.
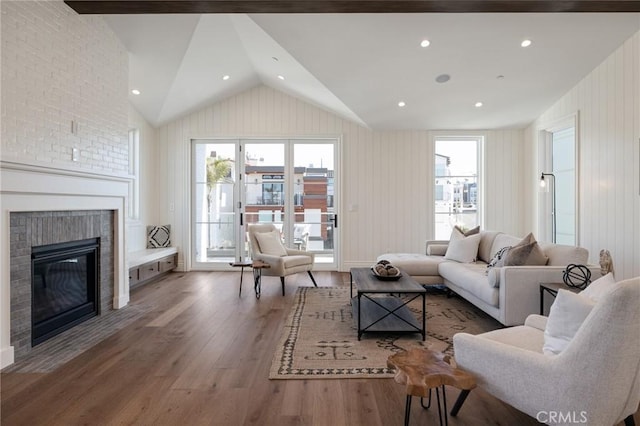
x=201, y=356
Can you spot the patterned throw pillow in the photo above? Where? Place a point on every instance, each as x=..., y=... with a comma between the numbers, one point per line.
x=498, y=259
x=158, y=236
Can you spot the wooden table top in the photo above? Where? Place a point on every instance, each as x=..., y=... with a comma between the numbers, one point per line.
x=259, y=264
x=422, y=369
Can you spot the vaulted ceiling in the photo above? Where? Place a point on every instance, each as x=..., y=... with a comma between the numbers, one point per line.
x=360, y=66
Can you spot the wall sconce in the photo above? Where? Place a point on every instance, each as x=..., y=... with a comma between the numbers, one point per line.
x=545, y=188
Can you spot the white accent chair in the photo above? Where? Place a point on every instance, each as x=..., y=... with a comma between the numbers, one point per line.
x=292, y=262
x=594, y=381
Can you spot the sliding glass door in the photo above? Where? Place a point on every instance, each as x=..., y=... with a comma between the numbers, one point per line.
x=290, y=183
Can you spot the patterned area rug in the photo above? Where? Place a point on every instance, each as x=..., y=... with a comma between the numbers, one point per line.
x=320, y=338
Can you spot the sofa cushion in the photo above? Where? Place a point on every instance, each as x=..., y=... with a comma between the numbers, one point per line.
x=470, y=277
x=561, y=255
x=296, y=260
x=437, y=249
x=462, y=249
x=502, y=240
x=414, y=264
x=486, y=242
x=523, y=337
x=526, y=252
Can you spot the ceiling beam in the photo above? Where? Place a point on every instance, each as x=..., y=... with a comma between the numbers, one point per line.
x=105, y=7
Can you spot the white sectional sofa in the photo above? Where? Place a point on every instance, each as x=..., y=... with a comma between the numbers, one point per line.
x=508, y=293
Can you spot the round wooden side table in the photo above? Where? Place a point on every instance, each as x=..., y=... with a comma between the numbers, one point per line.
x=421, y=370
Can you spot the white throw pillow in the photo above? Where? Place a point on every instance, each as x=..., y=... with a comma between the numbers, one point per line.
x=565, y=318
x=270, y=243
x=600, y=287
x=462, y=249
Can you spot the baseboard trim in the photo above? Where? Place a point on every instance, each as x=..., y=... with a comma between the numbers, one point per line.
x=6, y=357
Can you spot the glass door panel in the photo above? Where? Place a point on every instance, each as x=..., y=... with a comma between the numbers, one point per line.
x=564, y=165
x=315, y=218
x=264, y=182
x=214, y=196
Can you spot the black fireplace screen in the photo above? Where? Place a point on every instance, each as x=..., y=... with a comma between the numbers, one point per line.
x=64, y=282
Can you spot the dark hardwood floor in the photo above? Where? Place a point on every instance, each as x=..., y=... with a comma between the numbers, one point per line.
x=201, y=356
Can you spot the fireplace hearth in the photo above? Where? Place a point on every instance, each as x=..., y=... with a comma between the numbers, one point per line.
x=64, y=288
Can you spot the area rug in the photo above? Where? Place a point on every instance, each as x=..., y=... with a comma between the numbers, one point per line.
x=320, y=339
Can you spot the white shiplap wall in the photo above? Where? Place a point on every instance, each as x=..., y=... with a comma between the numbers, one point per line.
x=386, y=174
x=608, y=103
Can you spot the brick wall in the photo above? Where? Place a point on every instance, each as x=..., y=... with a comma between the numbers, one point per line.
x=32, y=229
x=58, y=66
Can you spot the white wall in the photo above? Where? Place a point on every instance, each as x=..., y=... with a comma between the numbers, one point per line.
x=59, y=67
x=387, y=174
x=608, y=103
x=149, y=187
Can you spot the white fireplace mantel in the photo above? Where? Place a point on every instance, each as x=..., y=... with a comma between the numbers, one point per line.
x=25, y=188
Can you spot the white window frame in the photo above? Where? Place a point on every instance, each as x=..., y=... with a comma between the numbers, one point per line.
x=480, y=140
x=134, y=173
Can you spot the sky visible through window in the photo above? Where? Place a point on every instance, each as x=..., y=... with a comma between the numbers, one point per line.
x=463, y=155
x=305, y=154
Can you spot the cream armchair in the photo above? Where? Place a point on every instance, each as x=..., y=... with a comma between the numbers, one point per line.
x=283, y=261
x=594, y=381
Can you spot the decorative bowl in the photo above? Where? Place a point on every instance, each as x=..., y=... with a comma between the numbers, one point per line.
x=386, y=277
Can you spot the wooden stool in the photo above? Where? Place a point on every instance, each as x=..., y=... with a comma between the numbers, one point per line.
x=258, y=266
x=422, y=370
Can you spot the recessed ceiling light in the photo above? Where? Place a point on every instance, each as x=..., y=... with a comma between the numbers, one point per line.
x=281, y=77
x=443, y=78
x=478, y=104
x=525, y=43
x=425, y=43
x=226, y=77
x=135, y=91
x=401, y=104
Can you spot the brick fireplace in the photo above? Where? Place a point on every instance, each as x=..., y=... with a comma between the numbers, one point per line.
x=36, y=229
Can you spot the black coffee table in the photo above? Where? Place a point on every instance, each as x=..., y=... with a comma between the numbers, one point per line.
x=377, y=309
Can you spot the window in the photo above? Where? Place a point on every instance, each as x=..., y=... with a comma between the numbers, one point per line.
x=134, y=172
x=456, y=189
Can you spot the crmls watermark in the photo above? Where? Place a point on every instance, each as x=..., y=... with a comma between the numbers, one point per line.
x=570, y=417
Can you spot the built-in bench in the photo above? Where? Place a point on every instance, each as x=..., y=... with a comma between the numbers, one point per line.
x=147, y=265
